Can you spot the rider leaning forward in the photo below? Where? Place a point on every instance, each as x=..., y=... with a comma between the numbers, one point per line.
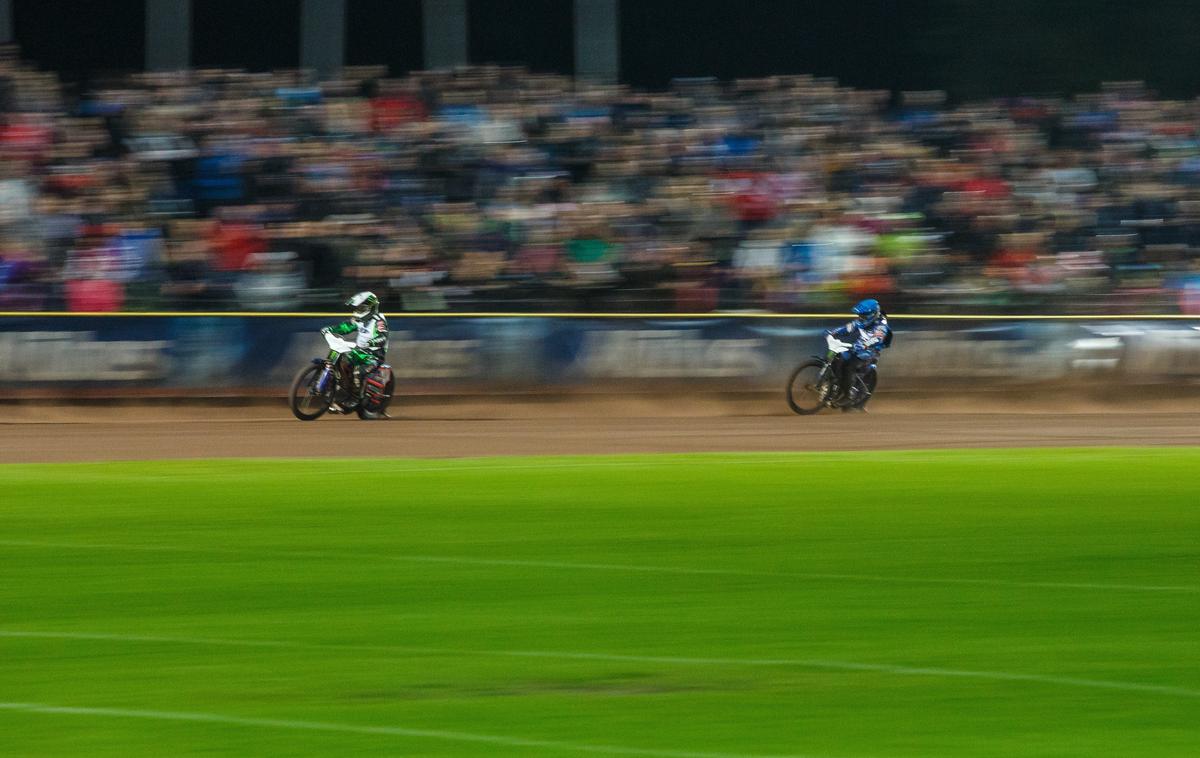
x=371, y=340
x=868, y=334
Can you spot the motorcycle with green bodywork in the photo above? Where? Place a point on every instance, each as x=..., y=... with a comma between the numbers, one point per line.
x=327, y=386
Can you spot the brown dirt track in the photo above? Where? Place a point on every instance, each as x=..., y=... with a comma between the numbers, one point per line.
x=484, y=427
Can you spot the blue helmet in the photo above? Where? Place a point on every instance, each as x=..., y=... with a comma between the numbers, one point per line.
x=867, y=310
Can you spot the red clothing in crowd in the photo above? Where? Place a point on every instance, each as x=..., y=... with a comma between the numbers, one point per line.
x=753, y=197
x=235, y=243
x=98, y=295
x=987, y=187
x=390, y=112
x=25, y=138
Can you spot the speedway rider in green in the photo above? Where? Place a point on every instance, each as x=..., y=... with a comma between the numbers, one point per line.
x=372, y=336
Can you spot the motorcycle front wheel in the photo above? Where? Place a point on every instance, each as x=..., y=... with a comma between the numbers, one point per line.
x=809, y=386
x=307, y=403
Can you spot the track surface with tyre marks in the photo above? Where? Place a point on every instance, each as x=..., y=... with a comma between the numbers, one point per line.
x=480, y=428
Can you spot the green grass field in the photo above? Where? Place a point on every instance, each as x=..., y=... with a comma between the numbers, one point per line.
x=985, y=603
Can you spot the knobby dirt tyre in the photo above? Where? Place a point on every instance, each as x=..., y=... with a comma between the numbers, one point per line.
x=300, y=396
x=380, y=411
x=807, y=387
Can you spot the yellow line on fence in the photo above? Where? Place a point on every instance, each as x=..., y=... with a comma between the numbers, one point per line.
x=604, y=316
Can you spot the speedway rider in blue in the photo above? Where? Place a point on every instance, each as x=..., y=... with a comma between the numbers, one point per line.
x=868, y=334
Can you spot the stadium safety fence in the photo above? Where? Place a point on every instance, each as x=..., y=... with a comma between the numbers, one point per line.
x=259, y=353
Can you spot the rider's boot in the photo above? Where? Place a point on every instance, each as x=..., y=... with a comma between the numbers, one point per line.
x=856, y=399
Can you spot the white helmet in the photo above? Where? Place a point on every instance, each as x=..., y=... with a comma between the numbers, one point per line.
x=364, y=304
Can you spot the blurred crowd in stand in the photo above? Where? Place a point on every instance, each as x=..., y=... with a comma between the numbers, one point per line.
x=498, y=189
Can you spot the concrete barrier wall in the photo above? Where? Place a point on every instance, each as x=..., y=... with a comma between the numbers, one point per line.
x=243, y=353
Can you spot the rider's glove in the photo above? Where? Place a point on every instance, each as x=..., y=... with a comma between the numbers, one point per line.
x=326, y=330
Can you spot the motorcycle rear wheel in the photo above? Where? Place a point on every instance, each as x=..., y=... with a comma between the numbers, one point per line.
x=868, y=380
x=809, y=386
x=306, y=403
x=380, y=410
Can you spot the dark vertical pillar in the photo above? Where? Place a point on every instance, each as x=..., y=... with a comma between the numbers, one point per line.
x=6, y=21
x=323, y=36
x=445, y=31
x=597, y=39
x=168, y=34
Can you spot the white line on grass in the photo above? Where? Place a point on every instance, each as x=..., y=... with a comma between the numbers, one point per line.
x=615, y=460
x=813, y=663
x=497, y=463
x=634, y=568
x=393, y=731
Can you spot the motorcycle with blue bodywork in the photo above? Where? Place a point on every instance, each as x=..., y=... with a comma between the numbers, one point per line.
x=814, y=384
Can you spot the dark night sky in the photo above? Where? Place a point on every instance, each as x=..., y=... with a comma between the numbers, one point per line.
x=538, y=33
x=851, y=40
x=81, y=36
x=254, y=34
x=384, y=32
x=970, y=47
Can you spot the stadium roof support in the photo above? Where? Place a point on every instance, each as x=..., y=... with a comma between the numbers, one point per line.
x=597, y=39
x=168, y=34
x=445, y=33
x=323, y=36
